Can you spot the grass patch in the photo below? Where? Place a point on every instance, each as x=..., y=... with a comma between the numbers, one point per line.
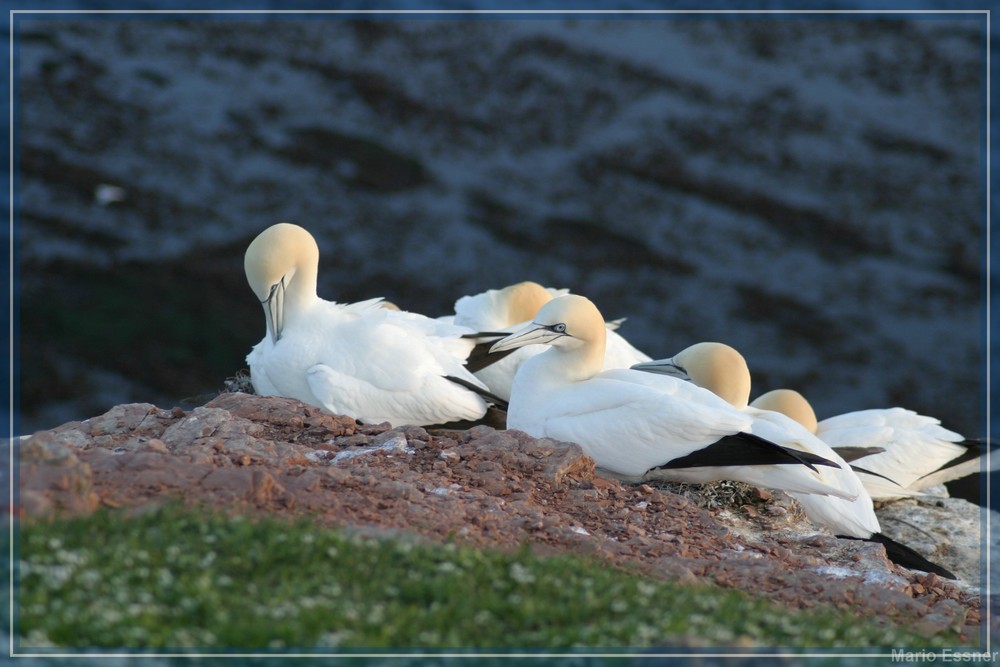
x=175, y=579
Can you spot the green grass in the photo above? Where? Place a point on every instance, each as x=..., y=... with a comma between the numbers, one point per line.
x=174, y=579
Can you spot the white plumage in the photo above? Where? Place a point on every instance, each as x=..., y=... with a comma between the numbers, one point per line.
x=363, y=360
x=630, y=422
x=722, y=370
x=917, y=451
x=505, y=310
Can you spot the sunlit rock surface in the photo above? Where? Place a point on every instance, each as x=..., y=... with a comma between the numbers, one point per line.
x=494, y=489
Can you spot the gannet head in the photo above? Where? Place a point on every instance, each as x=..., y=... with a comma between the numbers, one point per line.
x=789, y=403
x=713, y=366
x=523, y=301
x=282, y=259
x=569, y=322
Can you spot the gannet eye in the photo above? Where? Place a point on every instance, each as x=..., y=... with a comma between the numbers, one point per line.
x=559, y=328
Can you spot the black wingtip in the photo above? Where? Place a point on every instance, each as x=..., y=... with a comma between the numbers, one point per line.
x=494, y=418
x=900, y=554
x=850, y=454
x=495, y=335
x=746, y=449
x=875, y=474
x=974, y=449
x=481, y=357
x=489, y=396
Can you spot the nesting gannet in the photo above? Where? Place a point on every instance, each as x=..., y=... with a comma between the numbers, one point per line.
x=362, y=360
x=912, y=450
x=723, y=370
x=635, y=424
x=506, y=309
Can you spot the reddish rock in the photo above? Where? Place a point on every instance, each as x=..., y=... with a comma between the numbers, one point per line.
x=491, y=488
x=53, y=479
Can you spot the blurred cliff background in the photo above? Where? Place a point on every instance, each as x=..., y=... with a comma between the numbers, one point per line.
x=806, y=189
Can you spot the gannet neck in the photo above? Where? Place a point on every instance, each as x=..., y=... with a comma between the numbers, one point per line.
x=523, y=301
x=718, y=368
x=789, y=403
x=281, y=265
x=582, y=347
x=575, y=329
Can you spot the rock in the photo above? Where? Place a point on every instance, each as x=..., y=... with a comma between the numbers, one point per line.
x=264, y=490
x=71, y=434
x=393, y=440
x=52, y=479
x=864, y=560
x=944, y=530
x=155, y=445
x=229, y=484
x=150, y=475
x=497, y=489
x=213, y=430
x=200, y=424
x=280, y=412
x=550, y=460
x=126, y=425
x=46, y=447
x=947, y=615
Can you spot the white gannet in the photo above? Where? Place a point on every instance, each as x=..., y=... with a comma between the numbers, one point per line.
x=362, y=360
x=635, y=424
x=504, y=310
x=723, y=370
x=912, y=450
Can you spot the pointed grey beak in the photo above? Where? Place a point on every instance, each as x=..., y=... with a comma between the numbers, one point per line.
x=663, y=367
x=531, y=334
x=274, y=310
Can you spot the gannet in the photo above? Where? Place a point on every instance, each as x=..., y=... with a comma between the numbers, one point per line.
x=362, y=360
x=635, y=424
x=916, y=451
x=723, y=370
x=505, y=310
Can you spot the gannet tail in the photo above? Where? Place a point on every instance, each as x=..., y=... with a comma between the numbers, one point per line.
x=971, y=461
x=900, y=554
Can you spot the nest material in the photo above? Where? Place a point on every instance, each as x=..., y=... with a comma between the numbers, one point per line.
x=239, y=383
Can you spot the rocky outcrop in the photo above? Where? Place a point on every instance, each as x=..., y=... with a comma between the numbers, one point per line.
x=491, y=488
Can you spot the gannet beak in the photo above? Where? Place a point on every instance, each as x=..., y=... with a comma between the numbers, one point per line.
x=274, y=310
x=532, y=334
x=663, y=367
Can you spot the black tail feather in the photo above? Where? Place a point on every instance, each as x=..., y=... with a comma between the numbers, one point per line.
x=900, y=554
